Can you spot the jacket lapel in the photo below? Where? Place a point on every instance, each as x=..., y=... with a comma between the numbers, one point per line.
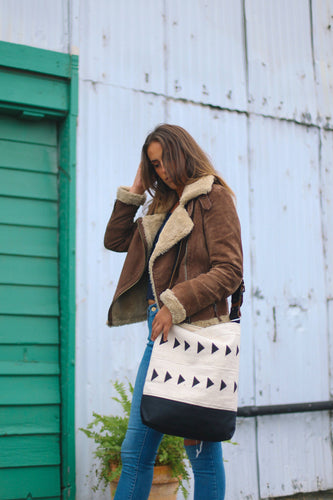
x=179, y=224
x=151, y=224
x=177, y=227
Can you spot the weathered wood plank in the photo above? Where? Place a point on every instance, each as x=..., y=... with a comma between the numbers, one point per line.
x=16, y=420
x=28, y=368
x=34, y=241
x=41, y=132
x=19, y=270
x=28, y=212
x=27, y=451
x=29, y=390
x=38, y=481
x=29, y=300
x=26, y=156
x=30, y=353
x=33, y=90
x=36, y=185
x=28, y=330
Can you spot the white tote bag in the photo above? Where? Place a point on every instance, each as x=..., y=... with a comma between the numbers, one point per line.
x=191, y=386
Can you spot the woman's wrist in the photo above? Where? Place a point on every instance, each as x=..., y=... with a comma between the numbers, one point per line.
x=137, y=186
x=136, y=189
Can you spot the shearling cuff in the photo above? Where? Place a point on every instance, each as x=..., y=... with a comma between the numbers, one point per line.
x=170, y=300
x=124, y=195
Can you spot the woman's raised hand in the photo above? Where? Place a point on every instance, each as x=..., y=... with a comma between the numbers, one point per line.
x=137, y=186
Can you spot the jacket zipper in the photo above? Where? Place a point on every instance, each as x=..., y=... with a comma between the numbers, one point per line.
x=176, y=264
x=188, y=320
x=185, y=258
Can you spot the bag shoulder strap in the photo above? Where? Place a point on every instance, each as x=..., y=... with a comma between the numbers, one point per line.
x=236, y=302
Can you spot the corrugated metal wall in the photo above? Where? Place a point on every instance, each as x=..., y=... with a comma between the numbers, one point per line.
x=252, y=80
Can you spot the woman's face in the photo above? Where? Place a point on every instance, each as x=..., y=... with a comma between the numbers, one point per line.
x=155, y=154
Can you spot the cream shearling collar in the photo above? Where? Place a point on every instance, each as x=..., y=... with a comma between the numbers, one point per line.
x=152, y=223
x=201, y=186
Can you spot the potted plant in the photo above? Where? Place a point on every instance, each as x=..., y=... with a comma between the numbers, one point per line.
x=108, y=432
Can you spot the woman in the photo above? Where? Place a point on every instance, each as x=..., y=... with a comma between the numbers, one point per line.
x=184, y=258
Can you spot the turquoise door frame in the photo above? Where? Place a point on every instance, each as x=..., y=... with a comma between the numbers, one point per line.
x=38, y=83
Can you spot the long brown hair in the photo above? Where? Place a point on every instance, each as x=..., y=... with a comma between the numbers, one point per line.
x=184, y=161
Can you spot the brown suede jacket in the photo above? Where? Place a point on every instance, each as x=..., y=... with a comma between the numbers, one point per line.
x=196, y=264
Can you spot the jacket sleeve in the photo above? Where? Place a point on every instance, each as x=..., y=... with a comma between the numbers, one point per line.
x=120, y=228
x=223, y=240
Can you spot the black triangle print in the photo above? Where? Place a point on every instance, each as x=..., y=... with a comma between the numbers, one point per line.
x=227, y=350
x=187, y=345
x=163, y=341
x=214, y=348
x=237, y=350
x=167, y=377
x=223, y=385
x=195, y=381
x=154, y=375
x=200, y=347
x=209, y=383
x=176, y=343
x=235, y=387
x=180, y=379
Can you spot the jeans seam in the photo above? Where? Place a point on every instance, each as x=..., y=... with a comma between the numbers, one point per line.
x=215, y=481
x=210, y=461
x=137, y=465
x=215, y=474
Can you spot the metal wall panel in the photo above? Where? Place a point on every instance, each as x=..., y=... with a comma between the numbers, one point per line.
x=322, y=18
x=240, y=462
x=210, y=34
x=327, y=228
x=112, y=128
x=327, y=208
x=280, y=63
x=290, y=325
x=295, y=454
x=121, y=43
x=205, y=52
x=330, y=341
x=38, y=23
x=288, y=264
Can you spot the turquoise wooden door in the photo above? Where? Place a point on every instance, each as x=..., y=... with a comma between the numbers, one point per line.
x=30, y=457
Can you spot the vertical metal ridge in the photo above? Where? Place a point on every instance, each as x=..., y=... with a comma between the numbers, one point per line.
x=245, y=49
x=312, y=40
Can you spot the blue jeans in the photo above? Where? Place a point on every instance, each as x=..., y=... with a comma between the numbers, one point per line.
x=141, y=443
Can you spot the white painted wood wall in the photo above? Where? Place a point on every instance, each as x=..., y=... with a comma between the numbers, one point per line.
x=252, y=81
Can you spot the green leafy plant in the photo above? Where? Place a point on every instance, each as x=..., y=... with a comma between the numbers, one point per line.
x=108, y=432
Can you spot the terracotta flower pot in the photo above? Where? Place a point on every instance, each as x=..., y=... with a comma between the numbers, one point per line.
x=164, y=485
